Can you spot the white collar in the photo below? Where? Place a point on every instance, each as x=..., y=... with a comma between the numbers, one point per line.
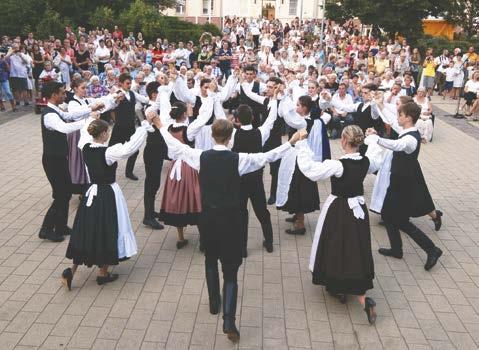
x=354, y=156
x=405, y=131
x=97, y=145
x=247, y=127
x=56, y=108
x=220, y=148
x=177, y=125
x=308, y=116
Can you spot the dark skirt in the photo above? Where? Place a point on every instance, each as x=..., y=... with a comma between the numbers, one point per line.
x=406, y=198
x=76, y=163
x=344, y=262
x=181, y=204
x=303, y=195
x=94, y=238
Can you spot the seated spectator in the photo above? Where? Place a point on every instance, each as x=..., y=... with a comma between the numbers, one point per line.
x=49, y=73
x=472, y=96
x=95, y=88
x=340, y=117
x=424, y=124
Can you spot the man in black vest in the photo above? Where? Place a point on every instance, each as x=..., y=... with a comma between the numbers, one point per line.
x=277, y=132
x=125, y=120
x=407, y=195
x=220, y=172
x=55, y=158
x=251, y=84
x=247, y=139
x=153, y=155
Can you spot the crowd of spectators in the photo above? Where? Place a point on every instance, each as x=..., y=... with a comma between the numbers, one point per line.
x=342, y=61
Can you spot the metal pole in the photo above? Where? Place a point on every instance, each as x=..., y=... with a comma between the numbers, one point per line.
x=323, y=5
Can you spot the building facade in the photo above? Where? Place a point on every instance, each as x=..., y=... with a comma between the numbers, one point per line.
x=200, y=11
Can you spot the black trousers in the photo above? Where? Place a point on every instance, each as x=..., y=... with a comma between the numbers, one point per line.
x=130, y=163
x=338, y=123
x=412, y=231
x=152, y=185
x=230, y=270
x=252, y=188
x=273, y=170
x=56, y=169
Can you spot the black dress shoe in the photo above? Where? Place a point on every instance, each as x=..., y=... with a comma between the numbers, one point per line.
x=271, y=200
x=438, y=220
x=67, y=231
x=67, y=277
x=268, y=246
x=432, y=258
x=110, y=277
x=181, y=244
x=390, y=252
x=131, y=176
x=291, y=219
x=151, y=222
x=50, y=235
x=296, y=231
x=370, y=309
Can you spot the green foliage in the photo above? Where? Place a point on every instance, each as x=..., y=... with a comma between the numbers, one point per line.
x=52, y=24
x=20, y=17
x=103, y=17
x=464, y=13
x=393, y=16
x=440, y=43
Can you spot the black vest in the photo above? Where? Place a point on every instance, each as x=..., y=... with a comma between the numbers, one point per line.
x=155, y=148
x=125, y=112
x=54, y=142
x=219, y=179
x=350, y=184
x=99, y=171
x=196, y=111
x=257, y=108
x=309, y=126
x=247, y=141
x=363, y=118
x=406, y=165
x=277, y=131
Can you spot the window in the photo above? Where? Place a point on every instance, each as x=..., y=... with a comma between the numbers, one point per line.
x=180, y=7
x=205, y=6
x=293, y=7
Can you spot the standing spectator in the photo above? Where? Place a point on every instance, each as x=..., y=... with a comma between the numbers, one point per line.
x=224, y=57
x=63, y=62
x=381, y=63
x=415, y=62
x=442, y=62
x=429, y=73
x=181, y=55
x=458, y=77
x=18, y=62
x=157, y=52
x=5, y=91
x=117, y=34
x=38, y=62
x=102, y=56
x=82, y=57
x=471, y=55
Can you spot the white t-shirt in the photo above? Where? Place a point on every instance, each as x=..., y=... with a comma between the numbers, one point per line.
x=472, y=86
x=450, y=73
x=102, y=52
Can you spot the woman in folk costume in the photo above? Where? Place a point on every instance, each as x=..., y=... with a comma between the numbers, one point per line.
x=102, y=234
x=341, y=258
x=296, y=194
x=76, y=164
x=181, y=204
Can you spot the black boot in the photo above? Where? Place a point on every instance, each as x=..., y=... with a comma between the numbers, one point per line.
x=230, y=294
x=213, y=284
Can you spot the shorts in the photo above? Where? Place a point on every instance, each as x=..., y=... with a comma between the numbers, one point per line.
x=18, y=84
x=429, y=82
x=448, y=85
x=470, y=97
x=5, y=91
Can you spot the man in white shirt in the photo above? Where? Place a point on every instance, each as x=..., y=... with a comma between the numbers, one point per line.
x=442, y=62
x=181, y=55
x=341, y=118
x=55, y=157
x=18, y=62
x=308, y=60
x=102, y=56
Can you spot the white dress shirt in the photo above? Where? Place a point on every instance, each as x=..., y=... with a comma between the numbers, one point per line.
x=54, y=122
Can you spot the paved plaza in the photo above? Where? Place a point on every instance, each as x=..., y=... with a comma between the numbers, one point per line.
x=160, y=300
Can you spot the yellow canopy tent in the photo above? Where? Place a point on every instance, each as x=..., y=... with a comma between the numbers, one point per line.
x=438, y=27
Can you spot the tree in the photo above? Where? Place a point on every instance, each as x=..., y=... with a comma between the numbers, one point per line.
x=52, y=24
x=141, y=17
x=393, y=16
x=464, y=13
x=103, y=17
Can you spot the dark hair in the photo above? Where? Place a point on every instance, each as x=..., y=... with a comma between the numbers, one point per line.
x=221, y=130
x=250, y=68
x=97, y=127
x=405, y=99
x=306, y=101
x=411, y=110
x=204, y=81
x=244, y=114
x=77, y=82
x=50, y=88
x=151, y=88
x=124, y=77
x=370, y=87
x=177, y=110
x=275, y=80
